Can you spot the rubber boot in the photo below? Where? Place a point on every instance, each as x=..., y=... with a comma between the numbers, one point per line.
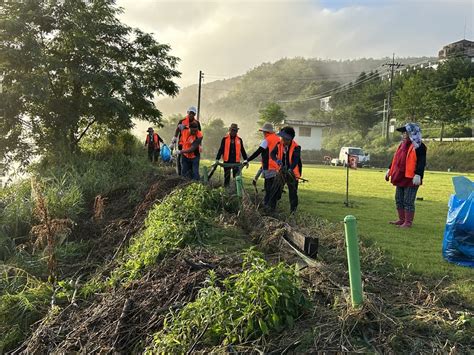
x=409, y=215
x=401, y=217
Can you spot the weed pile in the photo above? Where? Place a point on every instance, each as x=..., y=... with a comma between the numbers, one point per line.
x=256, y=302
x=182, y=217
x=124, y=320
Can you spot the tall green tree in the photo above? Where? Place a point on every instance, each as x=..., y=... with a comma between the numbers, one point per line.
x=213, y=133
x=272, y=113
x=68, y=65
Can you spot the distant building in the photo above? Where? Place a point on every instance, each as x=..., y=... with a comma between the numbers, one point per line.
x=324, y=104
x=309, y=134
x=462, y=48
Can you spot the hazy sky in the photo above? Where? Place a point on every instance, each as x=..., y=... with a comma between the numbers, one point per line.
x=228, y=37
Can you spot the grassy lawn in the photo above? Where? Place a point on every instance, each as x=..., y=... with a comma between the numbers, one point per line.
x=372, y=198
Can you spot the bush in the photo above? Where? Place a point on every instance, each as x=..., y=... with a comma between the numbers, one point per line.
x=259, y=301
x=23, y=301
x=456, y=156
x=182, y=217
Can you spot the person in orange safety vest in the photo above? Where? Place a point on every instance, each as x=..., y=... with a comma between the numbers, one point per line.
x=191, y=152
x=287, y=154
x=153, y=141
x=269, y=166
x=406, y=173
x=231, y=149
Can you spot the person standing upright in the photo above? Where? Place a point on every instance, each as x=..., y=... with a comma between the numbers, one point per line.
x=153, y=141
x=231, y=149
x=406, y=173
x=180, y=135
x=287, y=154
x=269, y=166
x=191, y=152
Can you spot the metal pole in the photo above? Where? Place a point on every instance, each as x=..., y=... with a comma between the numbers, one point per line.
x=353, y=262
x=383, y=115
x=389, y=103
x=199, y=95
x=347, y=182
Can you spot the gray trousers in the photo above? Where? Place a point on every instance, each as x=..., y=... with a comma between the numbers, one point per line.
x=405, y=198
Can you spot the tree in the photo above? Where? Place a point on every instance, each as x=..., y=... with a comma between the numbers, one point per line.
x=70, y=65
x=272, y=113
x=213, y=133
x=410, y=99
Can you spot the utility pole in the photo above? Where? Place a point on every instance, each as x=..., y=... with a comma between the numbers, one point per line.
x=201, y=76
x=389, y=101
x=383, y=116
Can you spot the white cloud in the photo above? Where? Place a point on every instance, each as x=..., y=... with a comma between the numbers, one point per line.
x=229, y=37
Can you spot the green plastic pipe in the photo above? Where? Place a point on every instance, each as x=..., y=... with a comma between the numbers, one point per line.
x=238, y=183
x=353, y=260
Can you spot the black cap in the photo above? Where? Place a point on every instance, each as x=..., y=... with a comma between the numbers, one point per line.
x=401, y=129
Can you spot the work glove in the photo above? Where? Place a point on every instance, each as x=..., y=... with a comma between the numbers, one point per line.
x=387, y=176
x=174, y=140
x=178, y=152
x=416, y=180
x=245, y=163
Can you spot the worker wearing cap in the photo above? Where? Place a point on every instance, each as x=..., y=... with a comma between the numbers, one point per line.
x=153, y=141
x=191, y=152
x=287, y=154
x=269, y=166
x=406, y=173
x=182, y=130
x=232, y=147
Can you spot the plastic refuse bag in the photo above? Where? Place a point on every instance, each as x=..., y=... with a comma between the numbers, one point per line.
x=458, y=242
x=165, y=153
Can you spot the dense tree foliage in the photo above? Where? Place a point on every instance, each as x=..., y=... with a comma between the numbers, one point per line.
x=69, y=65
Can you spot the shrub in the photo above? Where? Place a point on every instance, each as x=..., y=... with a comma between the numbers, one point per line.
x=260, y=300
x=180, y=218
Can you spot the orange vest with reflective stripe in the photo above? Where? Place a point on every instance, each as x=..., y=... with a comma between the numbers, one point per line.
x=272, y=140
x=410, y=165
x=293, y=145
x=185, y=132
x=156, y=141
x=189, y=142
x=237, y=143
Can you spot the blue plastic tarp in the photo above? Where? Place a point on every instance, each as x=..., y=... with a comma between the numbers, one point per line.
x=458, y=242
x=165, y=153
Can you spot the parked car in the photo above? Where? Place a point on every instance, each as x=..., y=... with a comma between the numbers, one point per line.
x=363, y=158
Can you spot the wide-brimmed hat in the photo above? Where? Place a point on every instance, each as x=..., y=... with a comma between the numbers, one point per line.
x=150, y=129
x=267, y=127
x=234, y=127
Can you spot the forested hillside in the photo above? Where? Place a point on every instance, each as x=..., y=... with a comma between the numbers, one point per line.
x=239, y=99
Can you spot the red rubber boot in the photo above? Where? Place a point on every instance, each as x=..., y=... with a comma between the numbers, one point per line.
x=401, y=217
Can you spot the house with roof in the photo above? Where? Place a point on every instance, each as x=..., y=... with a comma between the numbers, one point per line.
x=309, y=134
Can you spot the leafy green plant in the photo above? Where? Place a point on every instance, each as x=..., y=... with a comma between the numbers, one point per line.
x=182, y=217
x=260, y=300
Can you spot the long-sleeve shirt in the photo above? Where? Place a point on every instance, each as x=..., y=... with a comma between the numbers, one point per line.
x=232, y=154
x=295, y=161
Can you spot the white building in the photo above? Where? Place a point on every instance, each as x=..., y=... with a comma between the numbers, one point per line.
x=309, y=134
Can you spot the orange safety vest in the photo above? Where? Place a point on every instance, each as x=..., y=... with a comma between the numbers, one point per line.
x=185, y=132
x=272, y=140
x=188, y=144
x=237, y=141
x=293, y=145
x=410, y=164
x=156, y=140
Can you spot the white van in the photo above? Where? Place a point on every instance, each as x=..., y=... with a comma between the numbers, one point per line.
x=363, y=158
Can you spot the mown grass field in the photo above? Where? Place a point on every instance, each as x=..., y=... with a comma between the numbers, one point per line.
x=372, y=200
